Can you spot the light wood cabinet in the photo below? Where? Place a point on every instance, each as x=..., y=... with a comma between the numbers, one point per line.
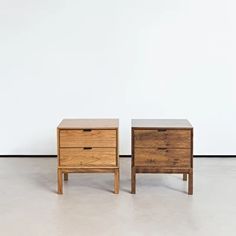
x=88, y=145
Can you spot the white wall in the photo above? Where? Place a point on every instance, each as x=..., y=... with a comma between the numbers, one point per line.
x=125, y=59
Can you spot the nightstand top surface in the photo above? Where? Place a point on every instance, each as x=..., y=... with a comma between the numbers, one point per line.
x=161, y=123
x=89, y=124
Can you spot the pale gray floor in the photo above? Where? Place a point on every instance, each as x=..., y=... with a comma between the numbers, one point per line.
x=29, y=204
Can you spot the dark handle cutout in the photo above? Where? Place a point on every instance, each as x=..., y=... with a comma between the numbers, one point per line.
x=87, y=130
x=150, y=161
x=162, y=130
x=87, y=148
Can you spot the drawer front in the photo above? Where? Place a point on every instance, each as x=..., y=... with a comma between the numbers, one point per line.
x=87, y=138
x=74, y=157
x=162, y=138
x=162, y=157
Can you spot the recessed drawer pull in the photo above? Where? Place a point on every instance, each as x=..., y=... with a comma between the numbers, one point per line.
x=162, y=148
x=87, y=130
x=162, y=130
x=150, y=161
x=87, y=148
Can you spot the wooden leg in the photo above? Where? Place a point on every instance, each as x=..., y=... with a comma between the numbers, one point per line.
x=185, y=177
x=133, y=180
x=190, y=183
x=66, y=176
x=60, y=184
x=116, y=181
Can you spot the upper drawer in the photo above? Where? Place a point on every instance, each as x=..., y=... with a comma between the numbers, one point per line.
x=88, y=138
x=171, y=138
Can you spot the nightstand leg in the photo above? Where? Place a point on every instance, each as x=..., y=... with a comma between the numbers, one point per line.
x=60, y=184
x=116, y=181
x=66, y=176
x=190, y=183
x=133, y=180
x=185, y=177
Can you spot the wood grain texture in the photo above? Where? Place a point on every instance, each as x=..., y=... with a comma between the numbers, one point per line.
x=89, y=167
x=116, y=181
x=88, y=146
x=185, y=177
x=66, y=176
x=58, y=147
x=88, y=170
x=161, y=123
x=162, y=157
x=87, y=138
x=162, y=138
x=89, y=124
x=162, y=146
x=166, y=170
x=117, y=148
x=60, y=183
x=190, y=184
x=80, y=157
x=133, y=180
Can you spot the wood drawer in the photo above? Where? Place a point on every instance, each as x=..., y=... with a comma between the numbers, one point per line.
x=162, y=157
x=74, y=157
x=88, y=138
x=162, y=138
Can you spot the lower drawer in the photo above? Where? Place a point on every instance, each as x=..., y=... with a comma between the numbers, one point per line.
x=73, y=157
x=162, y=157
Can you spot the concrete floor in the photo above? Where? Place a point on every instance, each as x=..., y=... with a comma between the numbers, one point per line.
x=29, y=204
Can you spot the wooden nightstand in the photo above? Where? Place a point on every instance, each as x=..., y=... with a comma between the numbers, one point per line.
x=88, y=146
x=162, y=146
